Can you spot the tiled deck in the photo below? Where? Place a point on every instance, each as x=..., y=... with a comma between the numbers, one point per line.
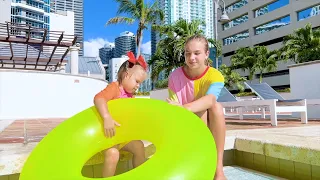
x=36, y=129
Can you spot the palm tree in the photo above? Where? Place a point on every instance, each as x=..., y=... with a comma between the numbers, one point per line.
x=232, y=78
x=254, y=59
x=302, y=46
x=266, y=60
x=145, y=14
x=244, y=59
x=170, y=49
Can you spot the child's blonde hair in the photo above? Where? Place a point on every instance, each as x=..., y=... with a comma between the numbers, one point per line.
x=199, y=37
x=130, y=64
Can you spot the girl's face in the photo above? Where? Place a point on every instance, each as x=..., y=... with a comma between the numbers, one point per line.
x=134, y=77
x=196, y=54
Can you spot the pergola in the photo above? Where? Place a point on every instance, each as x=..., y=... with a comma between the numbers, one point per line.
x=25, y=47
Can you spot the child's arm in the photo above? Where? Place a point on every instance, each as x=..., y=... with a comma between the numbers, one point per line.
x=100, y=101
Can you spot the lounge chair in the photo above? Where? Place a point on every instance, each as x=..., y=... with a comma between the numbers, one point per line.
x=229, y=100
x=278, y=103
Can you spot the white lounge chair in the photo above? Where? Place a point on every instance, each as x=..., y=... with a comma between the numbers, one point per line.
x=227, y=100
x=277, y=103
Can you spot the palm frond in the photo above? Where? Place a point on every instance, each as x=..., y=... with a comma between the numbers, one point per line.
x=127, y=7
x=118, y=20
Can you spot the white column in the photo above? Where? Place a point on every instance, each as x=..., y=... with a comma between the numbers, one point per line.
x=74, y=61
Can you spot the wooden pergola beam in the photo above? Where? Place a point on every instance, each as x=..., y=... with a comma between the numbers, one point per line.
x=41, y=47
x=33, y=36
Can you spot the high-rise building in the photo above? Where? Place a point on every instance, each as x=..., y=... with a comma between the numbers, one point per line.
x=75, y=6
x=188, y=10
x=147, y=84
x=124, y=43
x=106, y=53
x=154, y=39
x=33, y=13
x=265, y=23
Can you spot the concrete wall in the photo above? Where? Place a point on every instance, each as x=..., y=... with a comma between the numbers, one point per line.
x=305, y=84
x=34, y=94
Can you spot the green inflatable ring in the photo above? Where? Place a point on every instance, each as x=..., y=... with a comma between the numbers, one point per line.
x=185, y=148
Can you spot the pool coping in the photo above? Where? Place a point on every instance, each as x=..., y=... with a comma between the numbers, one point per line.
x=297, y=145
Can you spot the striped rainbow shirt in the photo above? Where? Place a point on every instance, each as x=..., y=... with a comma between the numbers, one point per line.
x=184, y=89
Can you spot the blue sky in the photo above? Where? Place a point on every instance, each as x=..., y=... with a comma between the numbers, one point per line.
x=96, y=14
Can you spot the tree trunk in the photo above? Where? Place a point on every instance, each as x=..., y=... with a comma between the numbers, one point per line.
x=139, y=39
x=260, y=79
x=251, y=76
x=139, y=45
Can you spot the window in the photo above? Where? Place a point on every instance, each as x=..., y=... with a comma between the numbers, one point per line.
x=236, y=5
x=235, y=22
x=272, y=25
x=236, y=37
x=270, y=7
x=310, y=12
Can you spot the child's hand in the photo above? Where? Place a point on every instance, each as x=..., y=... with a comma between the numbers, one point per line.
x=173, y=102
x=109, y=128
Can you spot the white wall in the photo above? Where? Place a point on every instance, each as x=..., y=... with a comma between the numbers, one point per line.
x=5, y=11
x=34, y=94
x=114, y=65
x=304, y=83
x=62, y=21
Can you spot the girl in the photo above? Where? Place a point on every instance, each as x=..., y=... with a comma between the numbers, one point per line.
x=196, y=87
x=130, y=75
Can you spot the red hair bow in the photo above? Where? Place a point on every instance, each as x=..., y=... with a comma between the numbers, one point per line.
x=140, y=60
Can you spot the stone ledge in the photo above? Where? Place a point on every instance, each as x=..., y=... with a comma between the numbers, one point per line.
x=299, y=144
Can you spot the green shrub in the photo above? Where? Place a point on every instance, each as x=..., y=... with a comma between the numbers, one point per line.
x=162, y=84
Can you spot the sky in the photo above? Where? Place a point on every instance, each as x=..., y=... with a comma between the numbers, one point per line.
x=96, y=34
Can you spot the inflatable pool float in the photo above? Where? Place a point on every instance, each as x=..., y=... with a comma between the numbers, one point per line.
x=185, y=148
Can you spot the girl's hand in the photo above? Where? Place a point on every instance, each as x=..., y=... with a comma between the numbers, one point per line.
x=109, y=126
x=173, y=102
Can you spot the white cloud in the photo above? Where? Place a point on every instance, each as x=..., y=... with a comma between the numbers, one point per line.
x=146, y=47
x=91, y=47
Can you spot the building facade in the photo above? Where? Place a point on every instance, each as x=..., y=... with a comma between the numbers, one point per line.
x=33, y=13
x=114, y=65
x=265, y=23
x=147, y=84
x=75, y=6
x=106, y=53
x=124, y=43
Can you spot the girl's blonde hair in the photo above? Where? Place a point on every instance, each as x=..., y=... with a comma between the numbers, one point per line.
x=124, y=69
x=201, y=38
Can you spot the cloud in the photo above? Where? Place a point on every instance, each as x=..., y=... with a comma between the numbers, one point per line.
x=91, y=47
x=146, y=47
